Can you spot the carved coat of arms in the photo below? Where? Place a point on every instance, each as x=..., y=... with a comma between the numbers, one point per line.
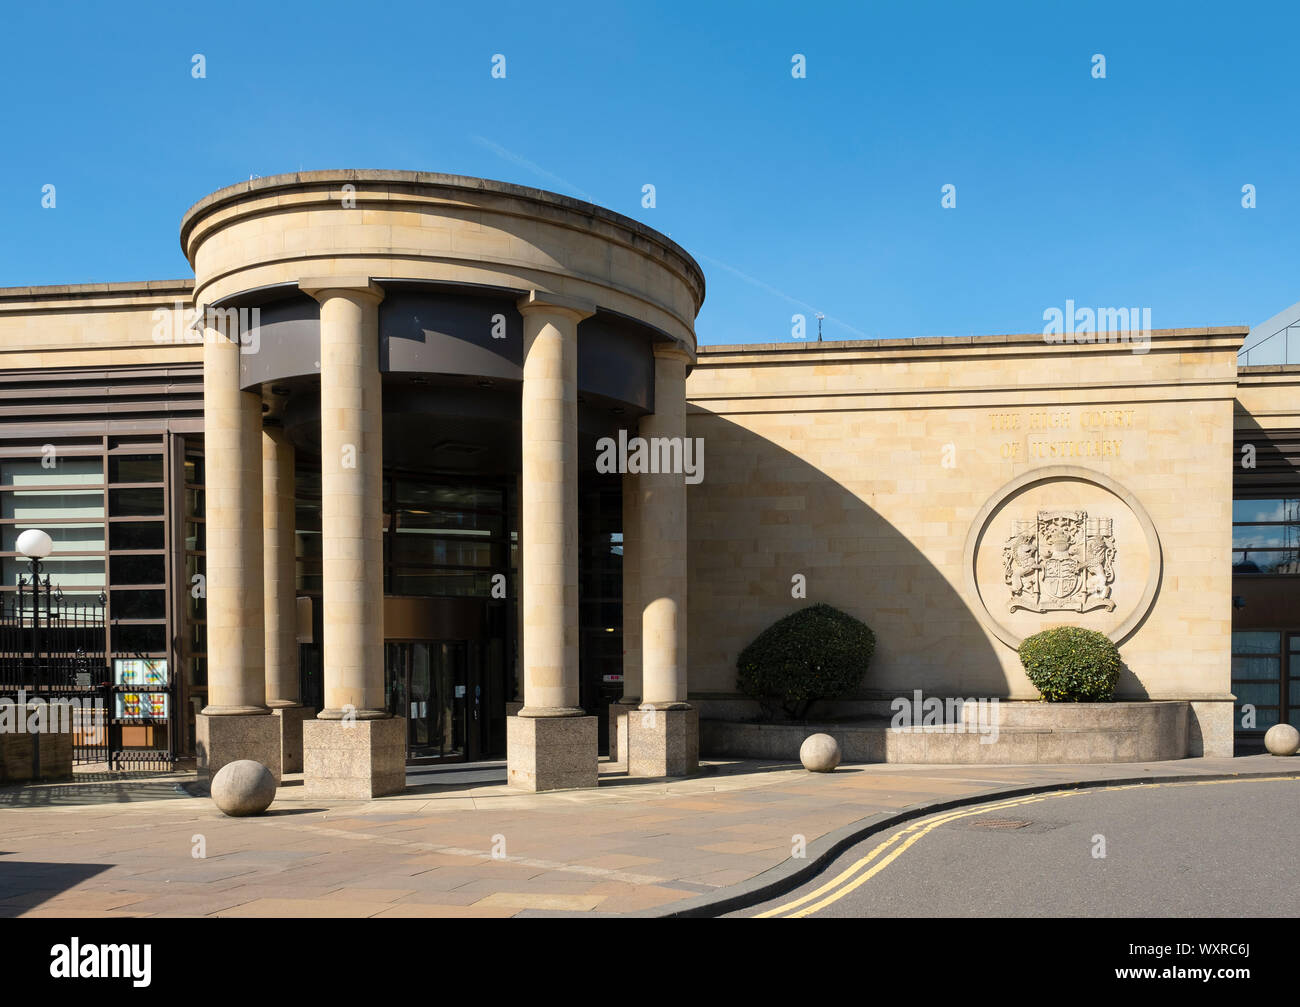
x=1062, y=561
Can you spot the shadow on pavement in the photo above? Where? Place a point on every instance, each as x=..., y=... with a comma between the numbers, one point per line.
x=25, y=885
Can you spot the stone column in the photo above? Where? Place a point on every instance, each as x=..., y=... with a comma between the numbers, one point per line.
x=631, y=698
x=664, y=735
x=236, y=723
x=354, y=748
x=283, y=687
x=551, y=744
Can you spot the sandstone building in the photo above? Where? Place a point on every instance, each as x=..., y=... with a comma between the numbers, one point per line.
x=344, y=486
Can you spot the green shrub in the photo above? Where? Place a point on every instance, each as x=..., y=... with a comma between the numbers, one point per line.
x=1071, y=665
x=816, y=653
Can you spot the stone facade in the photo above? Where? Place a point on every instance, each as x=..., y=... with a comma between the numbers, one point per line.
x=863, y=467
x=898, y=479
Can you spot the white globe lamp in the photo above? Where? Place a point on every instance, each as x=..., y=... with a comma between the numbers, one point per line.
x=35, y=544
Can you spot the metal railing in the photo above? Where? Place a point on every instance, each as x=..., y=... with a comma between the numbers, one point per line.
x=55, y=649
x=49, y=643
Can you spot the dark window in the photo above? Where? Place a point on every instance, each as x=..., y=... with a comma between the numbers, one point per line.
x=139, y=502
x=136, y=569
x=139, y=604
x=198, y=638
x=135, y=535
x=139, y=639
x=135, y=468
x=1266, y=536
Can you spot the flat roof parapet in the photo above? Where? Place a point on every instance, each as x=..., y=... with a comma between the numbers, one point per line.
x=88, y=290
x=1212, y=334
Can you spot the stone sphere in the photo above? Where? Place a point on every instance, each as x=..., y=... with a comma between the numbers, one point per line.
x=243, y=788
x=820, y=753
x=1282, y=739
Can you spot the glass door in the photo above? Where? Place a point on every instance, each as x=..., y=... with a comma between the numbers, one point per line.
x=421, y=705
x=1266, y=678
x=396, y=686
x=449, y=702
x=1257, y=679
x=427, y=683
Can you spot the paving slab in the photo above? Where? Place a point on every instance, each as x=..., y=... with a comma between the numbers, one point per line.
x=476, y=848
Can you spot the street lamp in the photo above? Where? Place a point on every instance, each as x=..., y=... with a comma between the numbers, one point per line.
x=35, y=545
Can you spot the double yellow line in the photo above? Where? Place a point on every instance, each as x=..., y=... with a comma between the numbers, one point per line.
x=896, y=845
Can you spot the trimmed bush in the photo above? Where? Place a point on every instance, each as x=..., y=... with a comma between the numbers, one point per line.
x=1068, y=664
x=816, y=653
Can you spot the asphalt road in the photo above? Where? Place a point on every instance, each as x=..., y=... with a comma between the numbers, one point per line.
x=1210, y=849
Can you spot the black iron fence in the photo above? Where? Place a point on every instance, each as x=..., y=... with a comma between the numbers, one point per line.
x=51, y=644
x=55, y=648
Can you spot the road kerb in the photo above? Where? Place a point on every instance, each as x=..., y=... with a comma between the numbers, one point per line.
x=790, y=874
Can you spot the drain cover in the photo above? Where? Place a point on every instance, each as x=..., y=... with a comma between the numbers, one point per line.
x=1000, y=823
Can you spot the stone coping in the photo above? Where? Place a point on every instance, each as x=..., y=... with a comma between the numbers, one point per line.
x=1224, y=332
x=465, y=183
x=91, y=291
x=1263, y=369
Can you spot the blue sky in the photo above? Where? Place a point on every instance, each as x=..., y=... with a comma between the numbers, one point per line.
x=795, y=195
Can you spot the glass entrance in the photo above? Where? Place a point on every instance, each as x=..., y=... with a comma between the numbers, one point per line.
x=1266, y=679
x=427, y=682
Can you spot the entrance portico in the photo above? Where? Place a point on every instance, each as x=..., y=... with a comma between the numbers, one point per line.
x=436, y=324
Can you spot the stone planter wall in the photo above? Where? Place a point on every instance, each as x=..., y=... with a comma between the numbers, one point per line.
x=1027, y=733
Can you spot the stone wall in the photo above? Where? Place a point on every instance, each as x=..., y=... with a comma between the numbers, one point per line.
x=863, y=467
x=16, y=756
x=97, y=325
x=1027, y=733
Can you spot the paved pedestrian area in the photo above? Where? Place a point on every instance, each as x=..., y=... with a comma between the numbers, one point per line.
x=458, y=842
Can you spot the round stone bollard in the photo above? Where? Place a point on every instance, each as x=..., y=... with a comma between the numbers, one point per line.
x=243, y=788
x=820, y=753
x=1282, y=739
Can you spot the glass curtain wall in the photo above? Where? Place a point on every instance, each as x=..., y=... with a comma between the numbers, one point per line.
x=103, y=501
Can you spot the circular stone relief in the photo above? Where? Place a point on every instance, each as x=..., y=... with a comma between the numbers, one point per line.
x=1062, y=545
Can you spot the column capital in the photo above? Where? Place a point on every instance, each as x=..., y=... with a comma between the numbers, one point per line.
x=321, y=287
x=545, y=301
x=673, y=351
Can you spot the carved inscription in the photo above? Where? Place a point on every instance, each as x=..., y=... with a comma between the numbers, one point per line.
x=1062, y=433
